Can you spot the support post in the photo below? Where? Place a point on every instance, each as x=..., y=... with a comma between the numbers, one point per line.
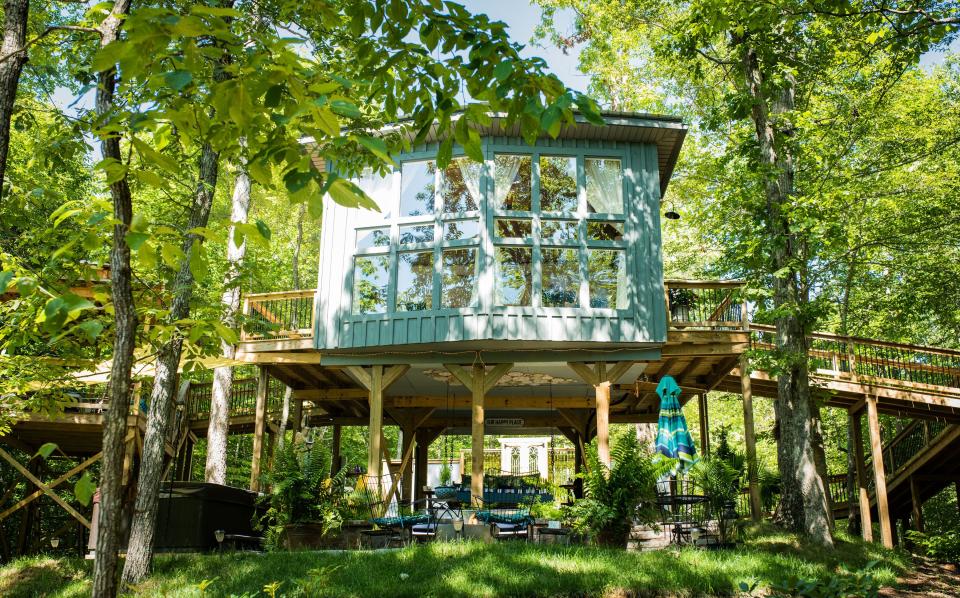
x=421, y=455
x=601, y=379
x=260, y=426
x=916, y=505
x=578, y=465
x=335, y=464
x=476, y=435
x=880, y=478
x=375, y=428
x=704, y=425
x=406, y=471
x=863, y=494
x=749, y=437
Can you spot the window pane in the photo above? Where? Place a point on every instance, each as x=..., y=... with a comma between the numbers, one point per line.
x=414, y=280
x=559, y=231
x=512, y=182
x=417, y=233
x=459, y=288
x=506, y=228
x=460, y=189
x=371, y=275
x=558, y=184
x=605, y=231
x=417, y=188
x=461, y=230
x=514, y=275
x=561, y=278
x=607, y=272
x=377, y=237
x=604, y=185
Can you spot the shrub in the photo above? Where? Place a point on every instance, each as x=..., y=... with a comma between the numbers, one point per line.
x=617, y=497
x=943, y=546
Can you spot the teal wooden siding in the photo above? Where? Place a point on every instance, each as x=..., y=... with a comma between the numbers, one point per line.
x=642, y=323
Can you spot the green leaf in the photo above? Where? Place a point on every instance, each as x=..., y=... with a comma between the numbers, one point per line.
x=91, y=329
x=345, y=108
x=152, y=156
x=445, y=152
x=377, y=147
x=263, y=229
x=503, y=70
x=295, y=180
x=172, y=255
x=5, y=278
x=347, y=194
x=46, y=450
x=84, y=489
x=198, y=262
x=136, y=240
x=178, y=79
x=273, y=96
x=227, y=334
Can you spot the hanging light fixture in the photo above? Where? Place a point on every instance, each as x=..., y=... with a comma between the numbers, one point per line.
x=671, y=213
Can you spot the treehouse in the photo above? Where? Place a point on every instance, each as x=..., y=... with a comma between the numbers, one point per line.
x=521, y=294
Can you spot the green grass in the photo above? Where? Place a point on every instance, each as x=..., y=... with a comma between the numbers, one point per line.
x=471, y=569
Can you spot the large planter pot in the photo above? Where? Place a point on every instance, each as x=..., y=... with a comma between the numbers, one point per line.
x=613, y=537
x=309, y=536
x=478, y=531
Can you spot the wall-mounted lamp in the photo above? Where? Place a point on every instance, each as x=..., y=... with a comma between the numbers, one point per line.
x=54, y=542
x=219, y=535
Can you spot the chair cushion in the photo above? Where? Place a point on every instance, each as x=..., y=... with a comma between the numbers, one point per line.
x=401, y=520
x=508, y=517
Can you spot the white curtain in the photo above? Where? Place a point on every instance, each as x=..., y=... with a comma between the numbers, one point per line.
x=504, y=171
x=622, y=281
x=470, y=171
x=604, y=185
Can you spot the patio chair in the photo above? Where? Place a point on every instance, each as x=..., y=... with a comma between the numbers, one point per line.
x=506, y=504
x=684, y=510
x=390, y=516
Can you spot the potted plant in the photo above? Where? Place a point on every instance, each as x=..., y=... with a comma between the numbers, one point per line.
x=304, y=504
x=618, y=497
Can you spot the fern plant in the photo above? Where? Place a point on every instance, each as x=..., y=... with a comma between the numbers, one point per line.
x=619, y=496
x=720, y=483
x=302, y=491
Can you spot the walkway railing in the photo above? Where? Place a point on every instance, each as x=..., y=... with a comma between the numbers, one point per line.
x=243, y=398
x=693, y=304
x=836, y=354
x=286, y=315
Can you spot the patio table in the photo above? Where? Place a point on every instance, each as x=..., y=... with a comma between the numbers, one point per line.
x=680, y=514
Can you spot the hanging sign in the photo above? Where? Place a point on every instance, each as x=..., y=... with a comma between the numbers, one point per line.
x=503, y=422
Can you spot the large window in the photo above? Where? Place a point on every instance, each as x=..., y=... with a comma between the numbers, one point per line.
x=551, y=225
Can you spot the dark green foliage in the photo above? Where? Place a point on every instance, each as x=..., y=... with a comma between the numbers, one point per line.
x=844, y=584
x=619, y=496
x=301, y=491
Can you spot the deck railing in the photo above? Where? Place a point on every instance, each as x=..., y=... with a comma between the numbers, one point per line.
x=286, y=315
x=693, y=304
x=243, y=398
x=855, y=356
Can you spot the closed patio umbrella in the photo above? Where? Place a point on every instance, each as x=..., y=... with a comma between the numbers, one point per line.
x=673, y=437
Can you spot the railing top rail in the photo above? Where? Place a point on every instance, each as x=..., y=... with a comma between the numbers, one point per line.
x=865, y=341
x=281, y=294
x=703, y=284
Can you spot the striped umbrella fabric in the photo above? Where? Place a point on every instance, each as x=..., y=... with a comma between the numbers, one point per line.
x=673, y=437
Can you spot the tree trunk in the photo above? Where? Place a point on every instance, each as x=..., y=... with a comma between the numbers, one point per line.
x=219, y=424
x=125, y=329
x=295, y=268
x=13, y=54
x=140, y=547
x=804, y=504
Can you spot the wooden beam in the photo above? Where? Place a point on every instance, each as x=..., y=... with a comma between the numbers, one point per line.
x=260, y=424
x=279, y=357
x=461, y=374
x=583, y=370
x=602, y=392
x=27, y=500
x=863, y=494
x=704, y=350
x=363, y=377
x=618, y=370
x=376, y=420
x=330, y=394
x=491, y=378
x=476, y=435
x=880, y=478
x=46, y=489
x=393, y=374
x=750, y=440
x=704, y=425
x=916, y=505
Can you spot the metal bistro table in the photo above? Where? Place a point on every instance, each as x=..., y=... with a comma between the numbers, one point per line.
x=683, y=514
